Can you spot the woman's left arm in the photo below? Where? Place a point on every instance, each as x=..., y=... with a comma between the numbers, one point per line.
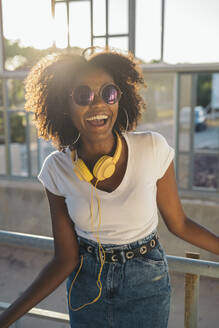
x=176, y=220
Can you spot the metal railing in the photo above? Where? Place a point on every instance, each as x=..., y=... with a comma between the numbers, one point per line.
x=193, y=268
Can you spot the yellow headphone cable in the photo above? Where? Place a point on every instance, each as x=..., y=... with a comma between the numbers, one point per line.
x=101, y=251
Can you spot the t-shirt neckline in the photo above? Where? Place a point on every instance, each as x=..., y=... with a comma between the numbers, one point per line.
x=122, y=185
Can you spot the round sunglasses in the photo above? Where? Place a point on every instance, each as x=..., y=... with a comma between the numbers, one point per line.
x=83, y=95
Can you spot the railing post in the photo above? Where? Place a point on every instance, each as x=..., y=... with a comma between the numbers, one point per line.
x=191, y=296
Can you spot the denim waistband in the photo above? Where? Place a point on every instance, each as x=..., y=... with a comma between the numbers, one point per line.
x=121, y=247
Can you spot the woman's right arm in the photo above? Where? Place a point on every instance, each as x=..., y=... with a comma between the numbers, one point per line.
x=65, y=259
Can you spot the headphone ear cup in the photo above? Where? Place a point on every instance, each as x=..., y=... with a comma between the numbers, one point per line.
x=104, y=168
x=82, y=171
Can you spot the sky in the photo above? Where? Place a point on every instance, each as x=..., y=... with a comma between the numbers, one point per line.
x=191, y=26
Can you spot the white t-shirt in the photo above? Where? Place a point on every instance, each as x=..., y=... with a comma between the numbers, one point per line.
x=129, y=212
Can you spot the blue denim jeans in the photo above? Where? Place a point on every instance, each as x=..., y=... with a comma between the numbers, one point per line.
x=135, y=294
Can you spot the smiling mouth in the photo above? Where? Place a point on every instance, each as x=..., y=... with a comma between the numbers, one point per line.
x=98, y=120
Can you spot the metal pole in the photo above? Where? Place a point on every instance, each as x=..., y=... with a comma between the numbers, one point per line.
x=7, y=132
x=53, y=18
x=132, y=19
x=107, y=23
x=28, y=141
x=176, y=126
x=68, y=32
x=162, y=28
x=91, y=23
x=192, y=129
x=191, y=296
x=2, y=61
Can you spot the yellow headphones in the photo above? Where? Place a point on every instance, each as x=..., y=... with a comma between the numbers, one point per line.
x=104, y=167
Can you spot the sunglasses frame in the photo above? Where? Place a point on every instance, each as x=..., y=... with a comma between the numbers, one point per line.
x=100, y=92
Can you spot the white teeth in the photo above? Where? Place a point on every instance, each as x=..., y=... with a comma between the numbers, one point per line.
x=97, y=117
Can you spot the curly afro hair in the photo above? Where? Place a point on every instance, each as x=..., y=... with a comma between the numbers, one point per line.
x=49, y=84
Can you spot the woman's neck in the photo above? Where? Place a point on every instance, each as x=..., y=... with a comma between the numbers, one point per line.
x=91, y=151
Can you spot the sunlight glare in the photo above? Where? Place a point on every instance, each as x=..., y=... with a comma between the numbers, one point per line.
x=29, y=21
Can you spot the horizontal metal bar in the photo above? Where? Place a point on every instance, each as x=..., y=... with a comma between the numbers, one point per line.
x=42, y=314
x=17, y=239
x=110, y=35
x=153, y=68
x=176, y=263
x=201, y=152
x=64, y=1
x=13, y=74
x=186, y=265
x=183, y=68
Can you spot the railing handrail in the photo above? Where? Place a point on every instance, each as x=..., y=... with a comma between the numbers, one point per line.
x=193, y=268
x=155, y=68
x=45, y=244
x=42, y=314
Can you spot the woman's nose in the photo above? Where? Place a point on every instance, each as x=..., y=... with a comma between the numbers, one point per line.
x=98, y=100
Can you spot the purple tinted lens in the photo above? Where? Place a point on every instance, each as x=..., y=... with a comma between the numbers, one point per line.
x=83, y=95
x=110, y=94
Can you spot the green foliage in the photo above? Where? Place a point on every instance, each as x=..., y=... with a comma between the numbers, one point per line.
x=204, y=89
x=17, y=127
x=15, y=93
x=27, y=56
x=17, y=124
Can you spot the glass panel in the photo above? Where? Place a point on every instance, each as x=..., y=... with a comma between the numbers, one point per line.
x=60, y=25
x=185, y=111
x=207, y=113
x=26, y=23
x=148, y=30
x=80, y=33
x=206, y=171
x=99, y=17
x=1, y=94
x=158, y=97
x=184, y=170
x=118, y=17
x=119, y=43
x=15, y=94
x=187, y=30
x=2, y=145
x=207, y=131
x=101, y=42
x=18, y=143
x=33, y=146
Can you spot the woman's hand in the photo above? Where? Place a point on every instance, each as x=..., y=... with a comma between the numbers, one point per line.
x=176, y=220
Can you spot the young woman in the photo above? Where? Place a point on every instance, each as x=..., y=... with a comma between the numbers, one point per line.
x=104, y=185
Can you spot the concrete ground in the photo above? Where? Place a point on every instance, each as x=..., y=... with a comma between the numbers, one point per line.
x=18, y=267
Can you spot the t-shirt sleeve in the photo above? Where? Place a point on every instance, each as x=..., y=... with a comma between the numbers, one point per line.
x=164, y=154
x=47, y=176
